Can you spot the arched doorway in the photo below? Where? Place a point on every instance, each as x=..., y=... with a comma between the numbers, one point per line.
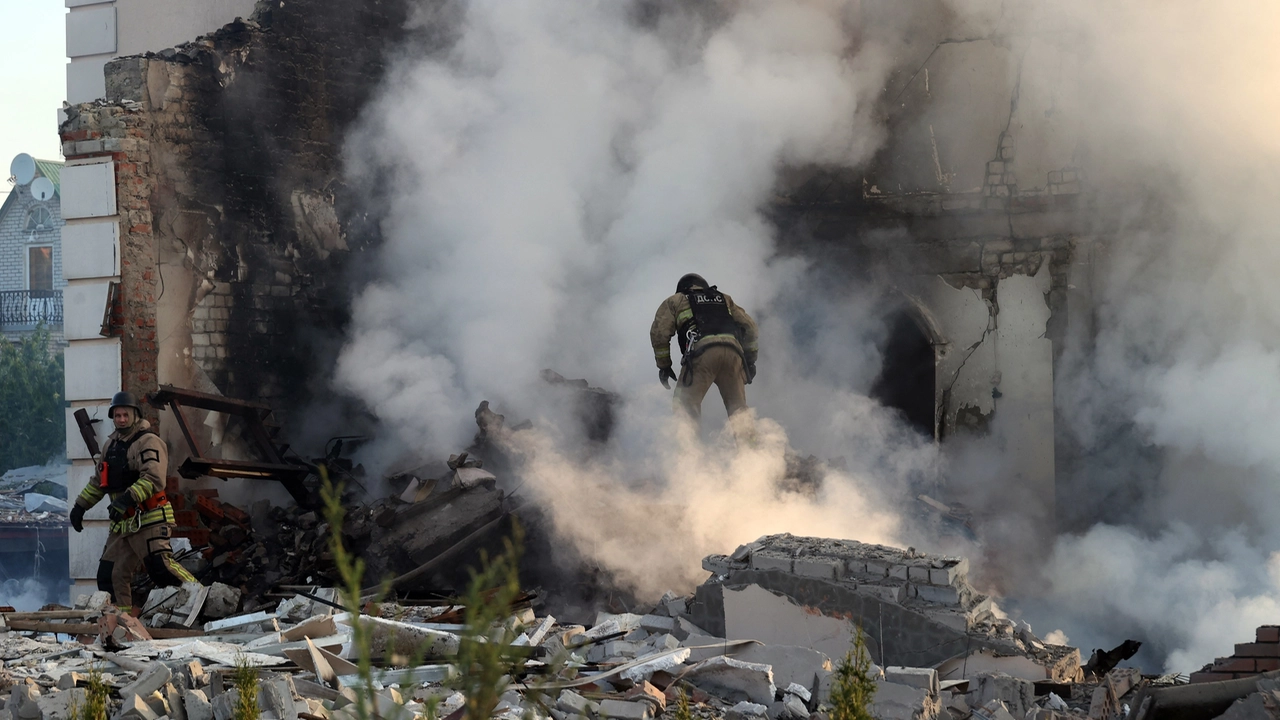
x=907, y=380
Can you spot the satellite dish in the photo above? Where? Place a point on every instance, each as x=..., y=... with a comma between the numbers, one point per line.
x=23, y=168
x=42, y=189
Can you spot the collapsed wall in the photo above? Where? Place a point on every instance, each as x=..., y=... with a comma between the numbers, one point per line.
x=914, y=609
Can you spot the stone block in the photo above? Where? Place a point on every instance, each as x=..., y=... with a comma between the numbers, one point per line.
x=948, y=575
x=1235, y=665
x=768, y=561
x=902, y=702
x=898, y=572
x=135, y=708
x=1268, y=634
x=57, y=705
x=573, y=703
x=223, y=601
x=85, y=147
x=819, y=567
x=923, y=678
x=799, y=691
x=1264, y=650
x=892, y=593
x=148, y=682
x=795, y=708
x=626, y=709
x=1016, y=694
x=746, y=711
x=657, y=624
x=733, y=679
x=196, y=705
x=876, y=568
x=918, y=574
x=173, y=698
x=224, y=705
x=939, y=594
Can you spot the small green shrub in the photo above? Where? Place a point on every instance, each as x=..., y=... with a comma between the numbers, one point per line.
x=853, y=688
x=245, y=680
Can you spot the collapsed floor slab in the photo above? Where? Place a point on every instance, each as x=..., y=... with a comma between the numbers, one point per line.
x=915, y=610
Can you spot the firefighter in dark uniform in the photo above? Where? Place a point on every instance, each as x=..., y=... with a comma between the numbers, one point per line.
x=718, y=343
x=132, y=470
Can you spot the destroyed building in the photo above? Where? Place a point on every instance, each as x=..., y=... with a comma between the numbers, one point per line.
x=204, y=191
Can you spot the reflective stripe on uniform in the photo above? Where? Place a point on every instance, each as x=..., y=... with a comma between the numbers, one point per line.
x=662, y=352
x=683, y=315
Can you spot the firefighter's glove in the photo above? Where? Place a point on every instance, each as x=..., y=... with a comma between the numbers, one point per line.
x=665, y=374
x=77, y=518
x=121, y=505
x=751, y=372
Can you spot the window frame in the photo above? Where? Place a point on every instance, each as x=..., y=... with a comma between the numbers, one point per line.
x=26, y=275
x=27, y=222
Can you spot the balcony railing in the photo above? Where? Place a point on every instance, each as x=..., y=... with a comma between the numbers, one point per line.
x=20, y=308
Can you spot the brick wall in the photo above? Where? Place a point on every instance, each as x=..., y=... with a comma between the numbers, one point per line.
x=1262, y=655
x=15, y=239
x=123, y=133
x=227, y=159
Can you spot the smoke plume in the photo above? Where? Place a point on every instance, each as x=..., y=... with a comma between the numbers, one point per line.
x=547, y=176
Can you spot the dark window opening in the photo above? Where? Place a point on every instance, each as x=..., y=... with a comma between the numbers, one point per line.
x=907, y=379
x=40, y=268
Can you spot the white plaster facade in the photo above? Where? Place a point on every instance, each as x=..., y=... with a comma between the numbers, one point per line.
x=97, y=32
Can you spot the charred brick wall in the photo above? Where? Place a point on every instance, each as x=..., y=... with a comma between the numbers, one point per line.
x=232, y=214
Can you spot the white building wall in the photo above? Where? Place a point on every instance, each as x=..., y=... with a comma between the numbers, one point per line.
x=99, y=31
x=93, y=362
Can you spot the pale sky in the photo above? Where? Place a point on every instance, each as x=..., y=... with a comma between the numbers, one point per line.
x=33, y=80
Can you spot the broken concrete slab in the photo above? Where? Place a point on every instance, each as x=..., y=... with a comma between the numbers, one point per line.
x=790, y=663
x=923, y=678
x=754, y=613
x=734, y=679
x=662, y=661
x=1017, y=695
x=893, y=701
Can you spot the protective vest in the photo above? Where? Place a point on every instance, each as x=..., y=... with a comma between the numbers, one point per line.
x=710, y=317
x=117, y=475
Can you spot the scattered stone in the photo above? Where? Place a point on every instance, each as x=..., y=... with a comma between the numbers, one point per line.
x=626, y=709
x=223, y=601
x=746, y=711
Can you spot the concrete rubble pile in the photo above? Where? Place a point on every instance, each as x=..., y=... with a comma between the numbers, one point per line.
x=35, y=495
x=757, y=640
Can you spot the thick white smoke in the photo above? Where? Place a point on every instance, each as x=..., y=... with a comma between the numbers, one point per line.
x=1176, y=106
x=549, y=176
x=549, y=179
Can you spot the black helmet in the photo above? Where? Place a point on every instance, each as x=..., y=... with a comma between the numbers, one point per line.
x=691, y=280
x=124, y=399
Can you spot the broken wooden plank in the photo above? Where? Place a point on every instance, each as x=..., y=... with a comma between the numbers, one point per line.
x=52, y=615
